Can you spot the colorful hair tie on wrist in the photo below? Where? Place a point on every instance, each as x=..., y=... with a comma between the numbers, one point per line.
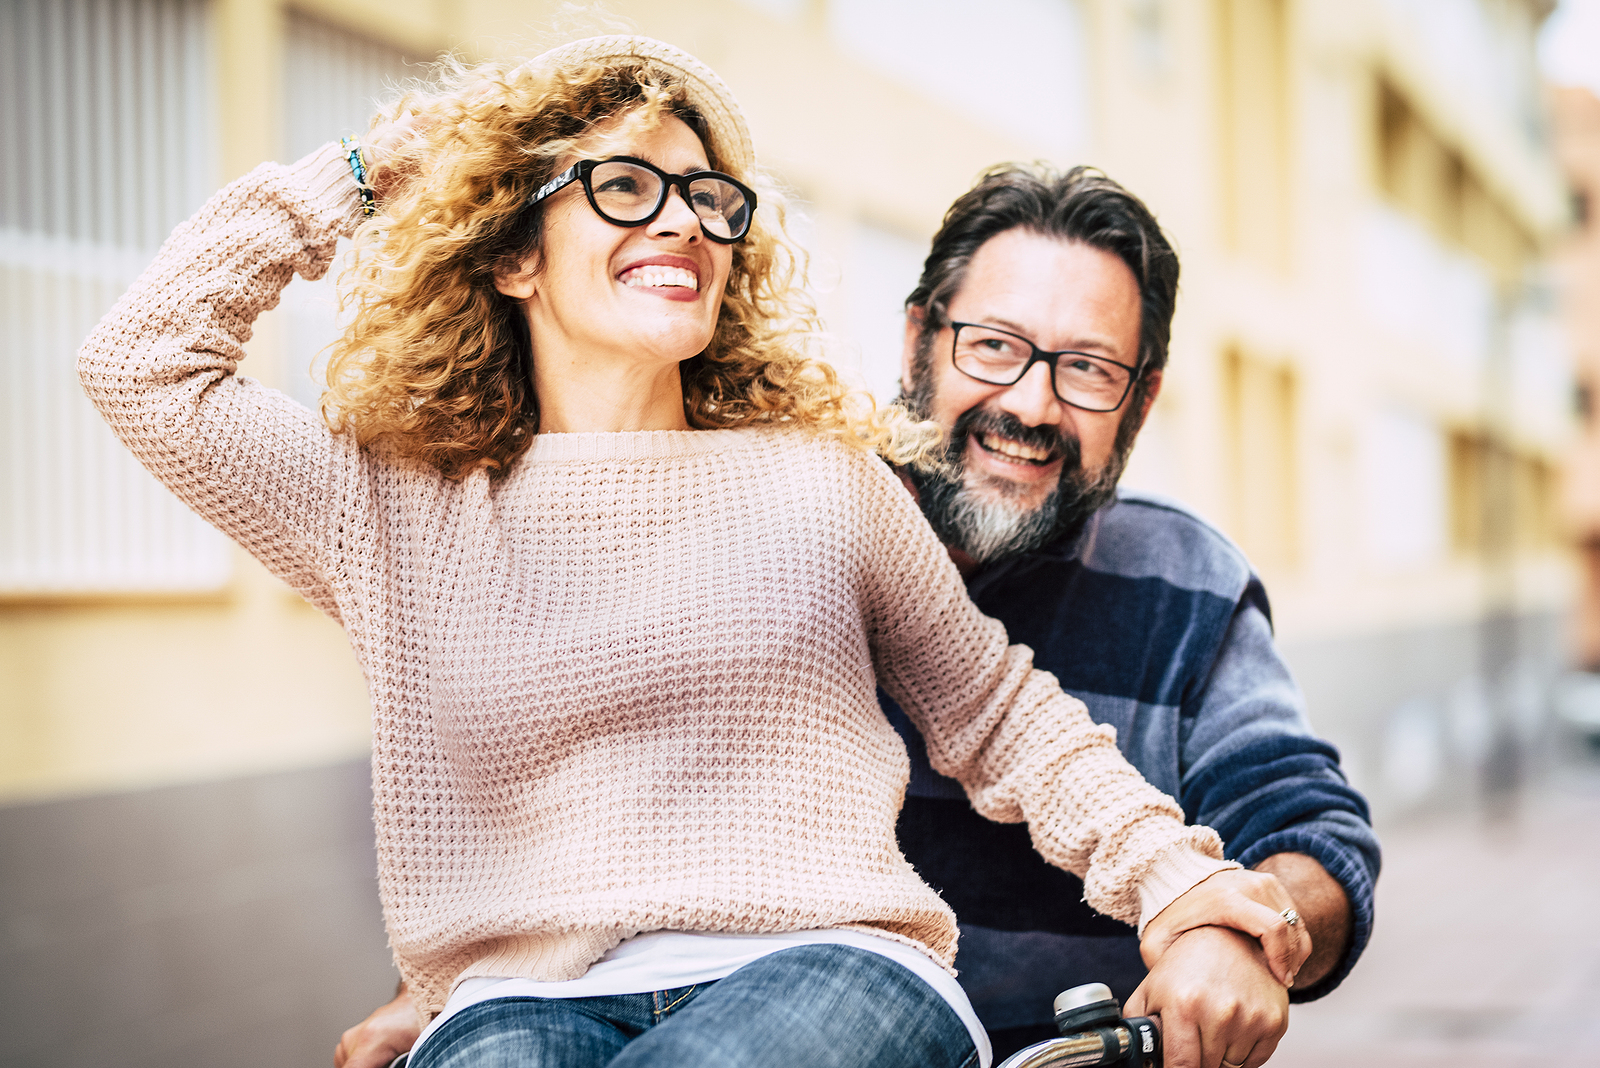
x=358, y=167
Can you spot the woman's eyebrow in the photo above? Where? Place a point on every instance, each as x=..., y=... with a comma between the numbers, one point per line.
x=697, y=166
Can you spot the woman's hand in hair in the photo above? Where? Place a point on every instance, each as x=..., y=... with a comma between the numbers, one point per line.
x=383, y=149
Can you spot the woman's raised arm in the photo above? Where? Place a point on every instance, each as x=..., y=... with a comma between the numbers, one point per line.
x=161, y=366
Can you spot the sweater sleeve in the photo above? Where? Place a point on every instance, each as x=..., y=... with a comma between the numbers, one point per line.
x=1021, y=748
x=160, y=367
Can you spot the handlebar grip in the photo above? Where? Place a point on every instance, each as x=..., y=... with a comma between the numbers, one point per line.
x=1145, y=1038
x=1131, y=1043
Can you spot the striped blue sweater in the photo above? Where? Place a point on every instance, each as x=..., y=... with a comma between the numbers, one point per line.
x=1159, y=624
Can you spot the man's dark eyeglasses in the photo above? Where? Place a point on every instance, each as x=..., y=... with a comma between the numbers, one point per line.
x=626, y=191
x=1001, y=358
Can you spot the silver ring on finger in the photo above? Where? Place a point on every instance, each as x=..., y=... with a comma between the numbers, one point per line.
x=1292, y=918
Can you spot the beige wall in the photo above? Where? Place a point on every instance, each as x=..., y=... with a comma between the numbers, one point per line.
x=1577, y=131
x=1279, y=363
x=1254, y=128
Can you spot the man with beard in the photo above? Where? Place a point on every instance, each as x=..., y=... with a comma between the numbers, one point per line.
x=1038, y=336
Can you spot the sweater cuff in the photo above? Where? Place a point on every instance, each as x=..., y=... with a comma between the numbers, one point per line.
x=325, y=179
x=1175, y=871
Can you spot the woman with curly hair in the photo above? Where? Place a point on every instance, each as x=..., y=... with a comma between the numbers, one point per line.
x=622, y=571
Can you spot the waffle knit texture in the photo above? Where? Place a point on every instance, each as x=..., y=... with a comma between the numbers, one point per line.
x=629, y=685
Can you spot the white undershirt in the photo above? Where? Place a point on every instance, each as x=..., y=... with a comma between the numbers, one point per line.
x=664, y=960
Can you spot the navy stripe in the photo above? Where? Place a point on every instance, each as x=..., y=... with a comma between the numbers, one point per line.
x=1140, y=638
x=1013, y=976
x=1142, y=536
x=1290, y=765
x=990, y=873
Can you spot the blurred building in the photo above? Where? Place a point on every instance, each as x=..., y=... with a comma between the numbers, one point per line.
x=1577, y=137
x=1367, y=391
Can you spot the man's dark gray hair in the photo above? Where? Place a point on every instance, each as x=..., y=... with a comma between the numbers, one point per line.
x=1080, y=205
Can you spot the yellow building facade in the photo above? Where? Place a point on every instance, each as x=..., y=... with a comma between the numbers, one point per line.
x=1362, y=392
x=1367, y=388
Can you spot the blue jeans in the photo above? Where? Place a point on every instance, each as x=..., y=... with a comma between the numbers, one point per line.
x=822, y=1006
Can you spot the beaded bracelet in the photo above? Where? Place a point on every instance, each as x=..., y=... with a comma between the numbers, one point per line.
x=358, y=167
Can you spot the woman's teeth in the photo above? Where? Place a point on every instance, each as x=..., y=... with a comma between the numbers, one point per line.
x=660, y=276
x=1013, y=450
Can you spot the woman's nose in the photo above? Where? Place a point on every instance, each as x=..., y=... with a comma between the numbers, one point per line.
x=677, y=216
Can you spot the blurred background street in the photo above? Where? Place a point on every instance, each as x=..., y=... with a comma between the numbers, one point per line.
x=1488, y=945
x=1382, y=386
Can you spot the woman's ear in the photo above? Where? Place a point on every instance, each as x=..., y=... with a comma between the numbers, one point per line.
x=519, y=283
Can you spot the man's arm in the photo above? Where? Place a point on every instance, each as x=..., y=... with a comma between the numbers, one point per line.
x=1323, y=906
x=1252, y=769
x=381, y=1037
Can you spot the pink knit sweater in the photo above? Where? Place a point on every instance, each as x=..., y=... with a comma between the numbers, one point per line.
x=629, y=685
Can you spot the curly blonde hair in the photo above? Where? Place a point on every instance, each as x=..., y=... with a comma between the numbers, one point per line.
x=437, y=365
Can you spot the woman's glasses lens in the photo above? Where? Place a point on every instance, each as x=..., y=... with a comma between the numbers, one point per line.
x=628, y=193
x=624, y=191
x=720, y=205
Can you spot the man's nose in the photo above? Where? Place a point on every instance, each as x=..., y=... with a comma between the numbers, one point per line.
x=1032, y=398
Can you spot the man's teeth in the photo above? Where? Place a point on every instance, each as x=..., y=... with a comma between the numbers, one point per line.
x=660, y=276
x=1013, y=449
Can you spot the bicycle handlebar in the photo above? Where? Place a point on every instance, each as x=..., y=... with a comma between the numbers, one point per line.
x=1093, y=1034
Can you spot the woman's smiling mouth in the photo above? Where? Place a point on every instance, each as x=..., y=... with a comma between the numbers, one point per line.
x=660, y=276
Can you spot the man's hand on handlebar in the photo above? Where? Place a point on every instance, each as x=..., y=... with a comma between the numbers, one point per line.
x=381, y=1037
x=1253, y=902
x=1217, y=1000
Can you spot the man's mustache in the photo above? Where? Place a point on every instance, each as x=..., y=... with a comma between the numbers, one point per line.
x=1050, y=439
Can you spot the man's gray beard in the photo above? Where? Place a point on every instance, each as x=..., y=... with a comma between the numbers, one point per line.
x=983, y=516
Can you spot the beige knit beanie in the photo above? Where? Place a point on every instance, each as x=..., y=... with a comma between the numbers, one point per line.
x=730, y=137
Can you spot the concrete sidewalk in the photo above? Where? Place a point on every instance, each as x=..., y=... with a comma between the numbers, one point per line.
x=1487, y=948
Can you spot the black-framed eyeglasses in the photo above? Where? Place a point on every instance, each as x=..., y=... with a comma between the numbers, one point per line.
x=626, y=191
x=1001, y=358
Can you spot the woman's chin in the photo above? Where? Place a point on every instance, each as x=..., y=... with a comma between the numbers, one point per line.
x=672, y=347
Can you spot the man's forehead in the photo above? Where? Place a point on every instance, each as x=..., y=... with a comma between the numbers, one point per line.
x=1022, y=254
x=1059, y=292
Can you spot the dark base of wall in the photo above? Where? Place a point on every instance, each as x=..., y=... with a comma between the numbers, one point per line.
x=205, y=926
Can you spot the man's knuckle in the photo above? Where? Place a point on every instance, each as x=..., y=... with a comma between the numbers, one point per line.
x=1263, y=1018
